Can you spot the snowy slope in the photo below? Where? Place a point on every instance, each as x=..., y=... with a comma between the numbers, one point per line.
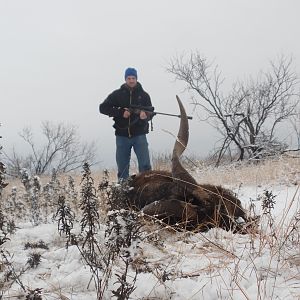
x=173, y=265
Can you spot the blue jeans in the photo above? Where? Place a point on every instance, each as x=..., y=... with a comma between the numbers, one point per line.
x=123, y=154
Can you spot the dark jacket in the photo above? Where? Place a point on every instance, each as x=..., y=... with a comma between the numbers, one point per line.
x=114, y=105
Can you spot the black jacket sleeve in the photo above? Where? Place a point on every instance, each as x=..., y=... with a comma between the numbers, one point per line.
x=108, y=107
x=148, y=103
x=147, y=100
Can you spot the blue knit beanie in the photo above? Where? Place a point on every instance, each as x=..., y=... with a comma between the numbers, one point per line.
x=130, y=72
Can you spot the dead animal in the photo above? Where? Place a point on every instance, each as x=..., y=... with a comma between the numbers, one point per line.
x=176, y=198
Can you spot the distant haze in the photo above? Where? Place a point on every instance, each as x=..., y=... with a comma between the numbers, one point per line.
x=60, y=59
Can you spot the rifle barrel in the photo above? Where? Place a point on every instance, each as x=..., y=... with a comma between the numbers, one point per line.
x=150, y=110
x=171, y=115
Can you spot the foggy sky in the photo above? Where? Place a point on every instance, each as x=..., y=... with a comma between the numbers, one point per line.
x=60, y=59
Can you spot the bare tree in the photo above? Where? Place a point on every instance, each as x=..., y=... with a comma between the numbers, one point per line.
x=295, y=121
x=246, y=118
x=61, y=151
x=3, y=184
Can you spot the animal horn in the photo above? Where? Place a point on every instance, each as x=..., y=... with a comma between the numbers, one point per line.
x=183, y=133
x=179, y=173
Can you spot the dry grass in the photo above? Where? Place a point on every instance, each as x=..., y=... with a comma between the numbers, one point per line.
x=282, y=170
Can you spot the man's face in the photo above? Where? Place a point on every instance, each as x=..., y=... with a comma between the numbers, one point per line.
x=131, y=81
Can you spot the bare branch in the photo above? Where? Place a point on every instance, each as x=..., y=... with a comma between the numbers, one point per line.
x=61, y=151
x=250, y=114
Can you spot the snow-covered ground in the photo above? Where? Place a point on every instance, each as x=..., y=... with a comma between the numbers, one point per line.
x=264, y=264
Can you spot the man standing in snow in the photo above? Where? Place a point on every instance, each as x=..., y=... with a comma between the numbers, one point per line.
x=130, y=128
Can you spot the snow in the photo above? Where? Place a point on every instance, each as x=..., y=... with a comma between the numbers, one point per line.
x=175, y=265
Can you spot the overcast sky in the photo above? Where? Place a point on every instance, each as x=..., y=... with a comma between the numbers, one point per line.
x=60, y=59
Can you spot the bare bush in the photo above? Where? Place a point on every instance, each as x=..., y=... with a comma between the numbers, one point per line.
x=65, y=218
x=34, y=260
x=3, y=184
x=295, y=121
x=3, y=221
x=33, y=189
x=35, y=294
x=247, y=118
x=61, y=150
x=34, y=245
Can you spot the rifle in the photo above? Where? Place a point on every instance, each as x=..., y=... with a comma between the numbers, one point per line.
x=150, y=109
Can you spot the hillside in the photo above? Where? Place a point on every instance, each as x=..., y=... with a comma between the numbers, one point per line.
x=142, y=259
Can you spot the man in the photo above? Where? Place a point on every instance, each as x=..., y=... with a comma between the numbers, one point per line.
x=130, y=128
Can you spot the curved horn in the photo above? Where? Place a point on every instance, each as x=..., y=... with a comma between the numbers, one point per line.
x=179, y=173
x=183, y=133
